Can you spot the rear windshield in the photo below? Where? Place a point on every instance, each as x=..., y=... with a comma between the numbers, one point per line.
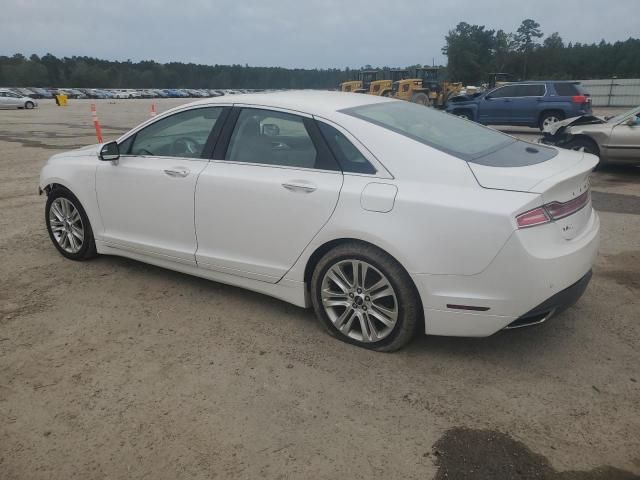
x=462, y=138
x=569, y=89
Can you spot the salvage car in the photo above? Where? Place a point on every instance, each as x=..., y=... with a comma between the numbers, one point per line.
x=615, y=139
x=528, y=104
x=9, y=99
x=384, y=216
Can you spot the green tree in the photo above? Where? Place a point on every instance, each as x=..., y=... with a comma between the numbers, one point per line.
x=526, y=40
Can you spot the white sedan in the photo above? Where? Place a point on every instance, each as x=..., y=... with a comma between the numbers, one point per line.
x=9, y=99
x=385, y=216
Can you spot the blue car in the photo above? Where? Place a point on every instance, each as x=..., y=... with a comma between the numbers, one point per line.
x=529, y=104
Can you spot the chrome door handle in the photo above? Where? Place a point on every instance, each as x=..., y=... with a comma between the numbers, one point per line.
x=177, y=172
x=300, y=187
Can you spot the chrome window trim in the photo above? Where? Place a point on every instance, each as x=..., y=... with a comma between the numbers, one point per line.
x=521, y=85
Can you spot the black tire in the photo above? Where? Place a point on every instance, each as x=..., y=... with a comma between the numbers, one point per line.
x=88, y=248
x=29, y=105
x=409, y=309
x=588, y=146
x=546, y=116
x=421, y=98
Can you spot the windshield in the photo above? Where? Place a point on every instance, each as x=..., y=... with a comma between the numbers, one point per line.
x=622, y=116
x=448, y=133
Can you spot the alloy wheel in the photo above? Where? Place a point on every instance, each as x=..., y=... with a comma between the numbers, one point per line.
x=359, y=300
x=549, y=121
x=66, y=225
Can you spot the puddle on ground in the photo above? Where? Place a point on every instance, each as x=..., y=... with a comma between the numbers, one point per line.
x=467, y=454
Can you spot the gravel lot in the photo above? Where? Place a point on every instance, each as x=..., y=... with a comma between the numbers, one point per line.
x=115, y=369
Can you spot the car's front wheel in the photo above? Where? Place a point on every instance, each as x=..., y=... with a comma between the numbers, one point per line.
x=586, y=145
x=29, y=105
x=68, y=225
x=364, y=297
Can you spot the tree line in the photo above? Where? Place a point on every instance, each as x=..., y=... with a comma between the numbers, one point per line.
x=51, y=71
x=473, y=51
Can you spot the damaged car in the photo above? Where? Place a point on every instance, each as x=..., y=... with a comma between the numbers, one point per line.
x=613, y=139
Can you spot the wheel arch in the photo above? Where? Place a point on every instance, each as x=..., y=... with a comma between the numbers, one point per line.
x=583, y=136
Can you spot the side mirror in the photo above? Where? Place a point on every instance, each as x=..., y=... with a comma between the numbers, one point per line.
x=270, y=130
x=109, y=152
x=632, y=122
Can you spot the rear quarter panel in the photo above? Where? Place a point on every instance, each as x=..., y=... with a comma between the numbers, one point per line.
x=442, y=221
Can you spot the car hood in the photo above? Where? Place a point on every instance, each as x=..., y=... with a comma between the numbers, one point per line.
x=556, y=127
x=78, y=152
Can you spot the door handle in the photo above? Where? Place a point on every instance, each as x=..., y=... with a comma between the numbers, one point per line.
x=177, y=172
x=300, y=187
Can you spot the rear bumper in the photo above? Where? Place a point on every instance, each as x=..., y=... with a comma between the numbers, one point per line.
x=536, y=271
x=553, y=305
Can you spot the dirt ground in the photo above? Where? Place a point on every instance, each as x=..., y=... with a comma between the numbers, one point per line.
x=112, y=369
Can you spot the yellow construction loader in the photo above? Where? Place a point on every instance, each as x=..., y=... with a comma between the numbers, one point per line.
x=365, y=78
x=370, y=81
x=425, y=88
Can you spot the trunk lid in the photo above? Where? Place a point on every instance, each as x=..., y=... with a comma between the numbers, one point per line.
x=561, y=178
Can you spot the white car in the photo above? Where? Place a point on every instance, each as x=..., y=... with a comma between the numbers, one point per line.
x=385, y=216
x=9, y=99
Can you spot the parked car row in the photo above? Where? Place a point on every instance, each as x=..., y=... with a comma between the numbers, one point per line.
x=102, y=93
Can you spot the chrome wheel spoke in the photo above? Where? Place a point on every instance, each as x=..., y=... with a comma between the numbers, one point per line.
x=369, y=331
x=74, y=217
x=339, y=280
x=385, y=291
x=384, y=315
x=344, y=321
x=55, y=208
x=77, y=232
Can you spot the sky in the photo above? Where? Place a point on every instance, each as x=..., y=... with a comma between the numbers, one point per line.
x=290, y=33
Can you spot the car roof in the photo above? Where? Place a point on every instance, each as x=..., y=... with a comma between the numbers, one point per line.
x=528, y=82
x=318, y=102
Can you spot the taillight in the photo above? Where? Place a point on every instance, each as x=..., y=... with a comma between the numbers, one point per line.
x=534, y=217
x=552, y=211
x=579, y=99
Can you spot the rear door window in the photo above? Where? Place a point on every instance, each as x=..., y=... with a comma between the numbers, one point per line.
x=345, y=152
x=276, y=138
x=535, y=90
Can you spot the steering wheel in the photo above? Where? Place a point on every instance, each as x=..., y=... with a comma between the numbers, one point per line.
x=185, y=146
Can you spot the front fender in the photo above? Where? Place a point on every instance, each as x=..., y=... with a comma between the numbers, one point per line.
x=78, y=175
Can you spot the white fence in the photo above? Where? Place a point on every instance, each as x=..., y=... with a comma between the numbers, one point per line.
x=614, y=92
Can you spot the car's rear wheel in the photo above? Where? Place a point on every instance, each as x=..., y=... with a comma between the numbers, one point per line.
x=68, y=225
x=549, y=118
x=364, y=297
x=29, y=105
